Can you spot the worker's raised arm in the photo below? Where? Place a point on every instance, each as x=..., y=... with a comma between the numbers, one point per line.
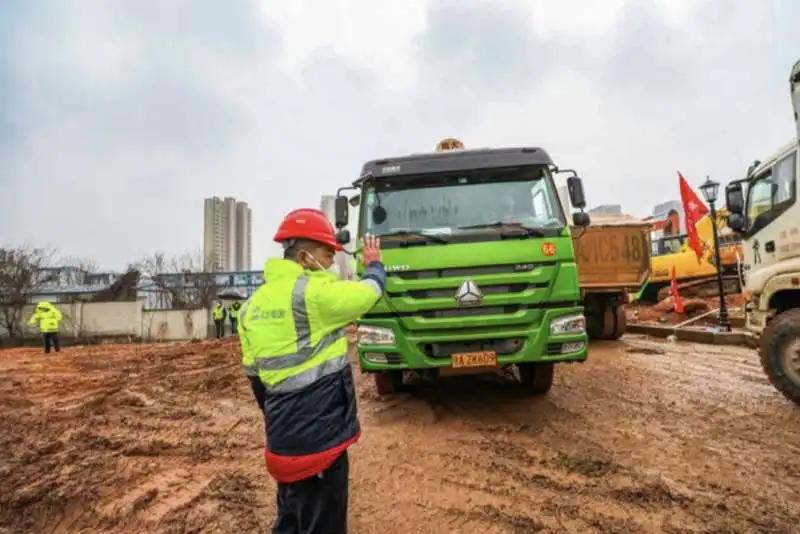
x=344, y=301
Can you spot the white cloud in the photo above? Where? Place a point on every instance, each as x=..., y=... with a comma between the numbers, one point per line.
x=379, y=36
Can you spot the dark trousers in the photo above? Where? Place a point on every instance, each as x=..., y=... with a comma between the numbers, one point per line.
x=316, y=505
x=233, y=327
x=50, y=340
x=220, y=324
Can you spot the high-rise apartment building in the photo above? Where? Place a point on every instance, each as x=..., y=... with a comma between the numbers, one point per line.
x=227, y=235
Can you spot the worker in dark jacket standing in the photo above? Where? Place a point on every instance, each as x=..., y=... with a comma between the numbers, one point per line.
x=294, y=351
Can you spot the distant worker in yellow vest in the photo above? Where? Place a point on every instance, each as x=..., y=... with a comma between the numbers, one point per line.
x=294, y=351
x=48, y=317
x=233, y=316
x=218, y=313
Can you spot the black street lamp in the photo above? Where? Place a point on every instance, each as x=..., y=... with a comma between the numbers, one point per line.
x=710, y=190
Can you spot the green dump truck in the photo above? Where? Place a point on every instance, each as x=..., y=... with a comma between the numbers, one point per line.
x=481, y=266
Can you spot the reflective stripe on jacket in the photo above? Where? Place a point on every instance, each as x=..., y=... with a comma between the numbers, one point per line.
x=292, y=332
x=48, y=318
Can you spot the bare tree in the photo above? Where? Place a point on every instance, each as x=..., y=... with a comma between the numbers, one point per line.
x=179, y=281
x=21, y=275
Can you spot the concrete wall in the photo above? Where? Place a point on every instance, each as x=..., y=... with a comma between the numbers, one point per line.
x=114, y=319
x=162, y=325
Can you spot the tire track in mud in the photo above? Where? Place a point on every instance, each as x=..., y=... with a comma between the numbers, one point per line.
x=548, y=464
x=723, y=374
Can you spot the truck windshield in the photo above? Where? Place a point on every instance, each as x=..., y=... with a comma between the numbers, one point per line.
x=772, y=193
x=467, y=202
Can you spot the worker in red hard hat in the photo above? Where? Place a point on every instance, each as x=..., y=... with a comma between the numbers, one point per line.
x=295, y=353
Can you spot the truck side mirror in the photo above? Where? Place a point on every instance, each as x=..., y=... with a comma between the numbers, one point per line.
x=341, y=211
x=736, y=222
x=734, y=197
x=576, y=195
x=581, y=218
x=343, y=236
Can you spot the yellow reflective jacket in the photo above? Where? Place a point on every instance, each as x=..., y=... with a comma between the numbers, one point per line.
x=218, y=313
x=295, y=321
x=292, y=333
x=47, y=316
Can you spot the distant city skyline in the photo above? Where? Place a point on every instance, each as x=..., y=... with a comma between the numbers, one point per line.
x=227, y=235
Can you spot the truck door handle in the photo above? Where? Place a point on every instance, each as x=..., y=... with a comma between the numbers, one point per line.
x=769, y=246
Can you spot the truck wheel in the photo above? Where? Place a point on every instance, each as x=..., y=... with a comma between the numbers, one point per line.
x=608, y=323
x=600, y=322
x=620, y=322
x=536, y=378
x=780, y=353
x=594, y=325
x=388, y=382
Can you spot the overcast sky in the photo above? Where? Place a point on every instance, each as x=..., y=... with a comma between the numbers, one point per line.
x=118, y=117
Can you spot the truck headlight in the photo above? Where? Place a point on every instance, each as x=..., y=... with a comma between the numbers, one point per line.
x=374, y=335
x=568, y=324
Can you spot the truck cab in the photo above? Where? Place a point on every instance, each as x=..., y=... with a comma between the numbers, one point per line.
x=764, y=210
x=480, y=262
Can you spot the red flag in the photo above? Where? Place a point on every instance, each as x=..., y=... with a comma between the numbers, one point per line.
x=693, y=211
x=673, y=286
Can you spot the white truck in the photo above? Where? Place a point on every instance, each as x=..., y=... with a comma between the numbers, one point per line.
x=763, y=208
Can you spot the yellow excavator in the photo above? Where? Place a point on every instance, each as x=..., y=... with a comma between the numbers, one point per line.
x=695, y=279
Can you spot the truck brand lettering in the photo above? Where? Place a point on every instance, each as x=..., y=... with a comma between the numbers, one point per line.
x=395, y=268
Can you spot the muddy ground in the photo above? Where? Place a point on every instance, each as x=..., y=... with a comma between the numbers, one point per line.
x=645, y=437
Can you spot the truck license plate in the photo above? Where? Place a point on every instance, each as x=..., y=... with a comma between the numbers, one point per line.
x=484, y=358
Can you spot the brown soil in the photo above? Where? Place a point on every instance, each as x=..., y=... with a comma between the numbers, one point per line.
x=664, y=313
x=645, y=437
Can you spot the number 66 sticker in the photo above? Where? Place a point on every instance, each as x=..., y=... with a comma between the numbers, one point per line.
x=548, y=249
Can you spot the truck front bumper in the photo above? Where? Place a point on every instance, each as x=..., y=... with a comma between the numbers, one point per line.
x=401, y=349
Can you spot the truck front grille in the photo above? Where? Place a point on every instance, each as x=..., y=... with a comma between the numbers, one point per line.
x=500, y=289
x=501, y=347
x=471, y=271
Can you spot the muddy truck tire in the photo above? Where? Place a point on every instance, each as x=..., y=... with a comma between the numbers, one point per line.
x=780, y=354
x=536, y=378
x=388, y=382
x=605, y=319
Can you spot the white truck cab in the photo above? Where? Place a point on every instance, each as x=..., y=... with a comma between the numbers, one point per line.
x=764, y=209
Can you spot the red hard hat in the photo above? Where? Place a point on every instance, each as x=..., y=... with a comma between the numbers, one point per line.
x=307, y=223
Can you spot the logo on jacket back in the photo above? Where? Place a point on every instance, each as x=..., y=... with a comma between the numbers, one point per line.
x=468, y=294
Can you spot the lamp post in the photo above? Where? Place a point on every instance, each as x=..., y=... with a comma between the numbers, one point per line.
x=710, y=190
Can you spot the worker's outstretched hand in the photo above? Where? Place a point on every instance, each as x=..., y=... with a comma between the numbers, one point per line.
x=371, y=250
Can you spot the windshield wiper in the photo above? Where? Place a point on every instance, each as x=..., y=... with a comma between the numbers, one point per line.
x=509, y=229
x=417, y=238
